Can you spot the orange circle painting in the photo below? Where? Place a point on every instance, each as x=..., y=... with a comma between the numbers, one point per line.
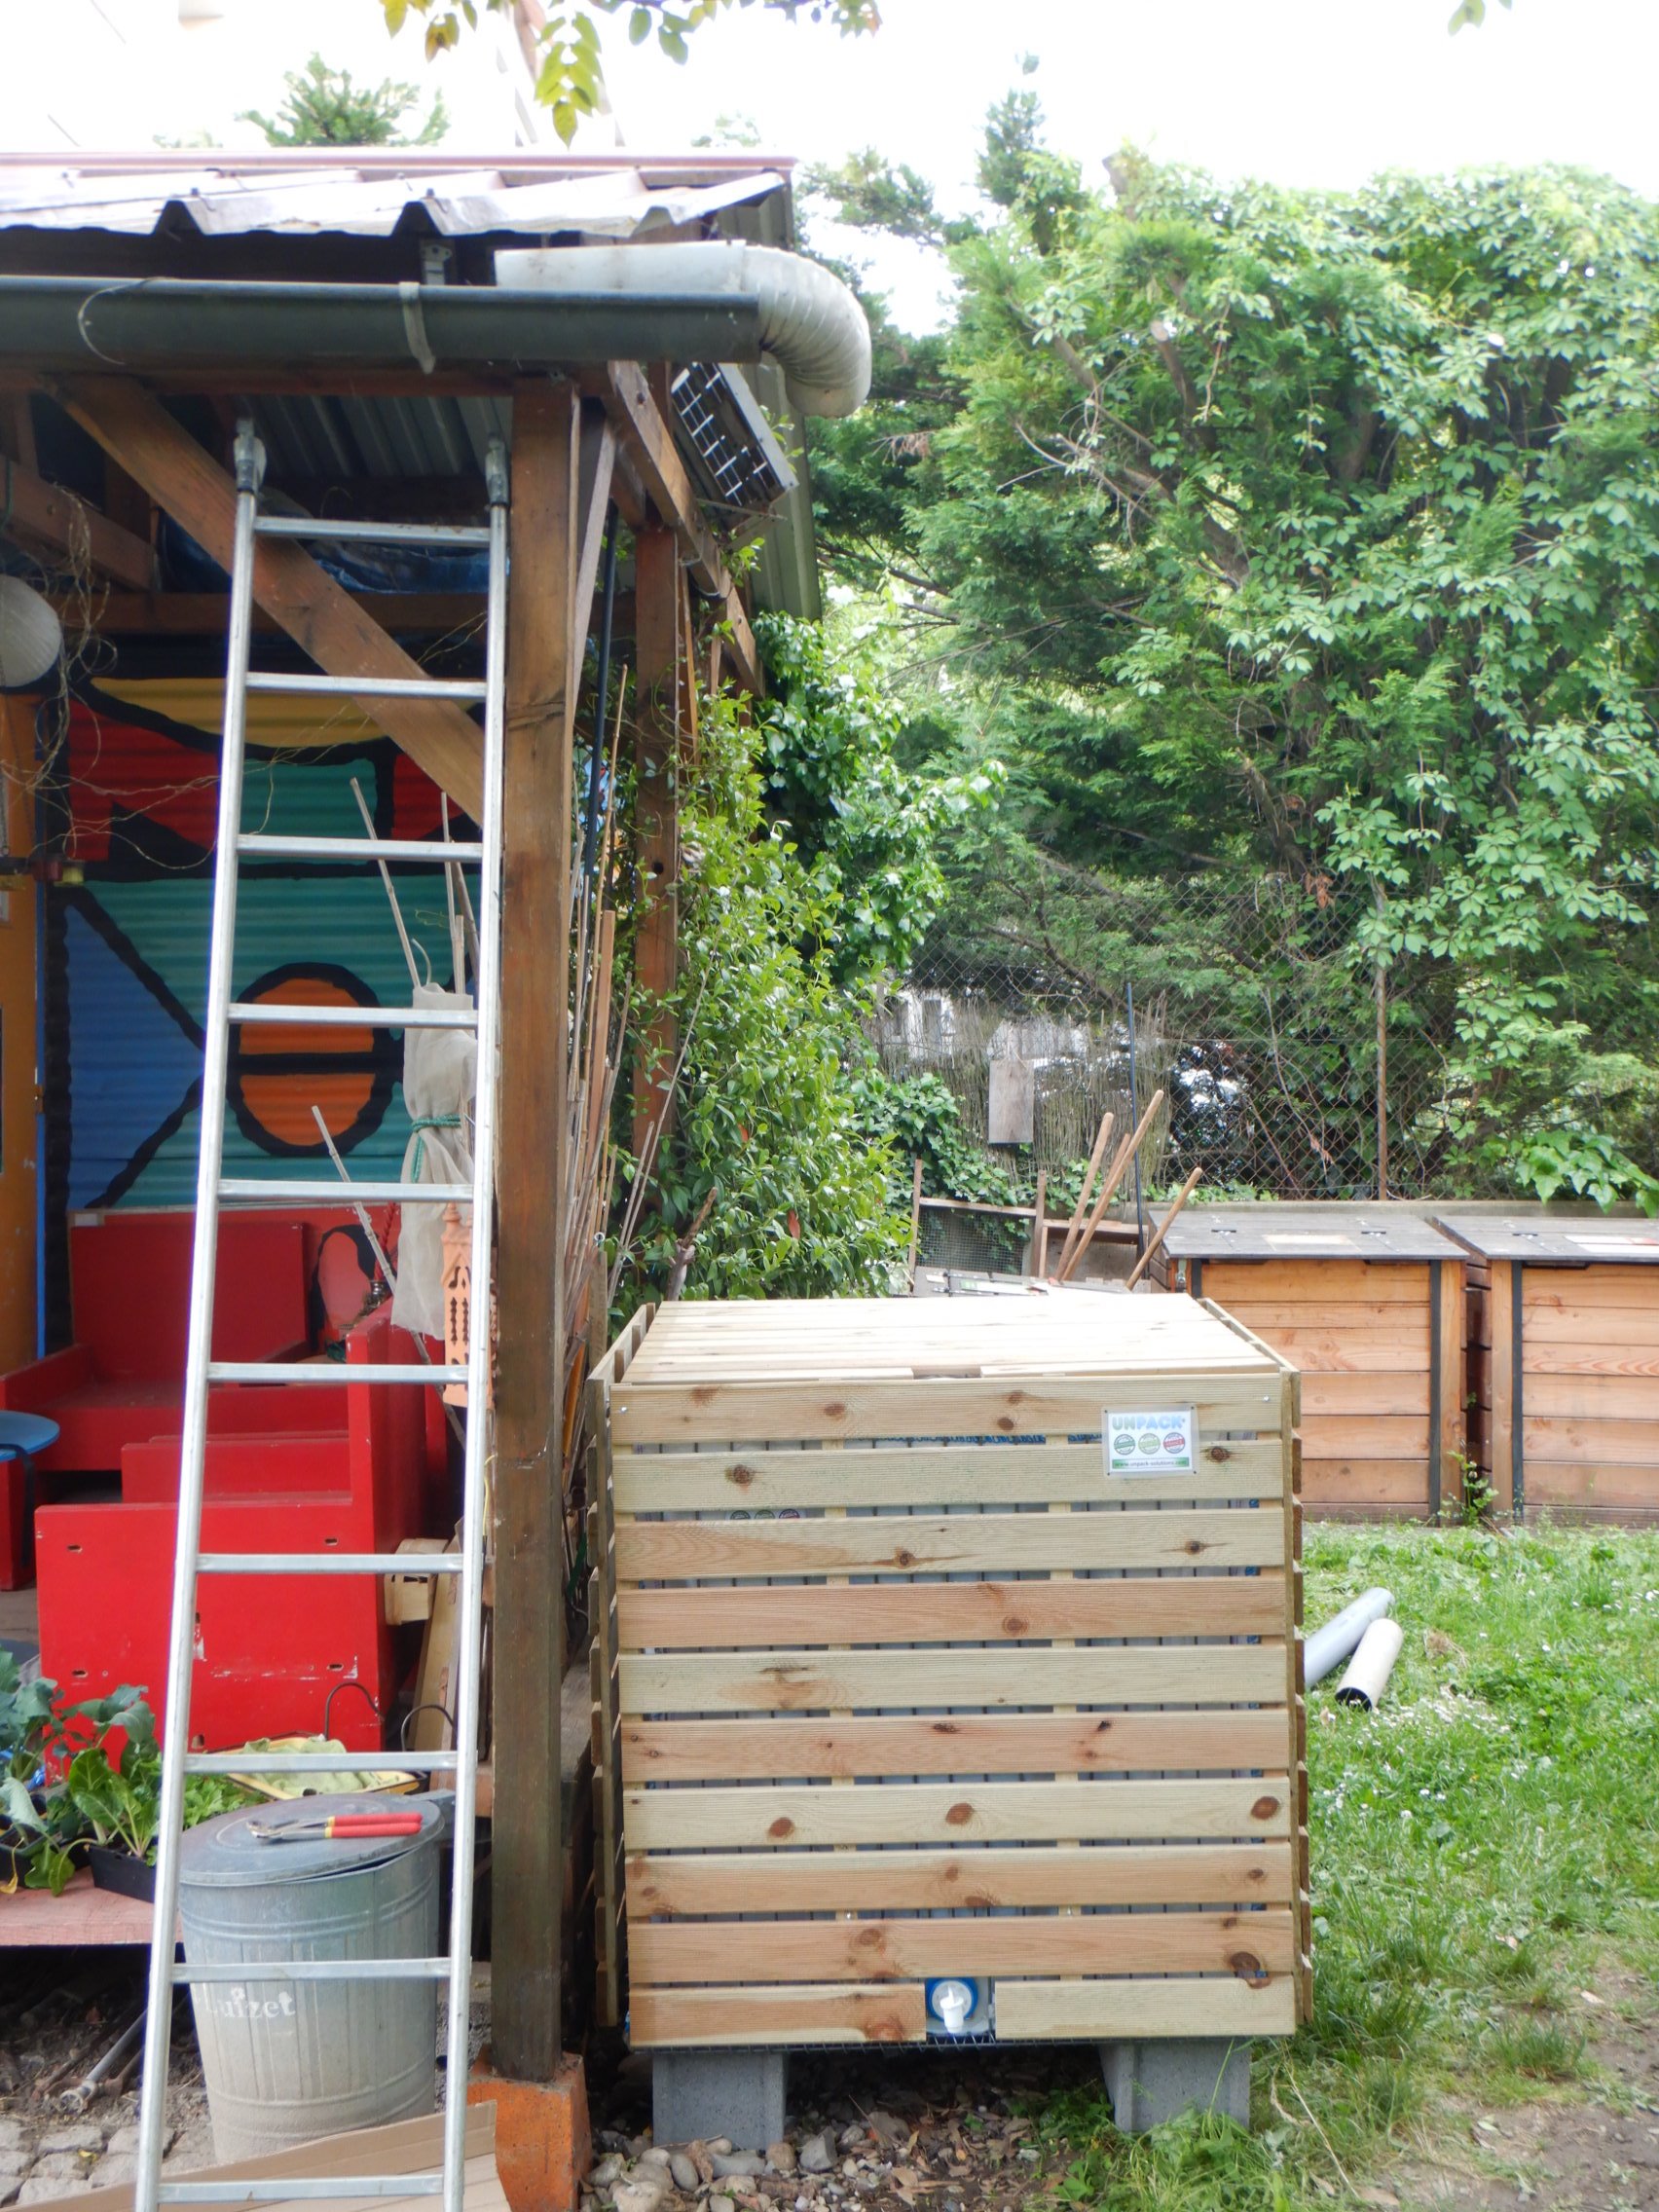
x=277, y=1075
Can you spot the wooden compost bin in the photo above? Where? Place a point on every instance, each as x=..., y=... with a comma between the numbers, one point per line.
x=898, y=1680
x=1367, y=1302
x=1564, y=1355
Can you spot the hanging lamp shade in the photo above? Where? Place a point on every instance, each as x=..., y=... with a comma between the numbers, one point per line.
x=31, y=637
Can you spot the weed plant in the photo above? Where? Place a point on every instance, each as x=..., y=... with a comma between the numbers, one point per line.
x=1485, y=1852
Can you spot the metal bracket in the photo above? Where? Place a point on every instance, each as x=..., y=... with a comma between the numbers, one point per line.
x=496, y=473
x=249, y=457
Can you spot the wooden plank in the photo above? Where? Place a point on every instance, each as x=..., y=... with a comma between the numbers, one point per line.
x=1452, y=1410
x=1027, y=1743
x=1338, y=1320
x=343, y=639
x=957, y=1612
x=1566, y=1290
x=1394, y=1393
x=721, y=1413
x=543, y=672
x=1244, y=1943
x=1382, y=1482
x=1598, y=1394
x=45, y=518
x=1060, y=2011
x=1312, y=1282
x=809, y=1682
x=1623, y=1443
x=964, y=1474
x=1365, y=1436
x=1632, y=1488
x=909, y=1881
x=1589, y=1329
x=1390, y=1351
x=204, y=613
x=982, y=1812
x=961, y=1543
x=888, y=2012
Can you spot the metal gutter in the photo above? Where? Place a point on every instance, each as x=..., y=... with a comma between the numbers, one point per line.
x=176, y=323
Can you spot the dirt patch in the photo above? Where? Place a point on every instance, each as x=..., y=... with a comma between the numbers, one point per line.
x=1600, y=2153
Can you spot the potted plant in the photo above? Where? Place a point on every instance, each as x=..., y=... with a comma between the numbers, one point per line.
x=26, y=1735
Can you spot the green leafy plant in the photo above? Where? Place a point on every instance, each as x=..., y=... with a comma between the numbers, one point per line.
x=325, y=107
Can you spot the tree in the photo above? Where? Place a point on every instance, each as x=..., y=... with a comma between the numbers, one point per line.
x=1318, y=535
x=324, y=107
x=570, y=79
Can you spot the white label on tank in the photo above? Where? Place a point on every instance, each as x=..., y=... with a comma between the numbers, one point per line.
x=1161, y=1442
x=1644, y=1246
x=1307, y=1239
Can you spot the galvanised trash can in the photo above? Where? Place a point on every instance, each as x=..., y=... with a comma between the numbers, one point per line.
x=288, y=2061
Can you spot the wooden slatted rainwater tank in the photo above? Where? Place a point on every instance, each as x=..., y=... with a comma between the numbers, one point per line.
x=1367, y=1302
x=951, y=1637
x=1564, y=1351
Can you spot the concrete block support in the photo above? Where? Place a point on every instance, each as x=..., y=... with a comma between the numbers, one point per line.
x=1151, y=2081
x=699, y=2094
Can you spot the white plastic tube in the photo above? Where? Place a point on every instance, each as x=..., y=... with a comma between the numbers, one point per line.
x=1371, y=1666
x=1327, y=1647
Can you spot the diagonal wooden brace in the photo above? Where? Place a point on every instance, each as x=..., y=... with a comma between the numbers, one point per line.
x=322, y=618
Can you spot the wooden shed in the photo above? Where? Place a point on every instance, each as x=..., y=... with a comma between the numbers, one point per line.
x=950, y=1638
x=1367, y=1302
x=1564, y=1356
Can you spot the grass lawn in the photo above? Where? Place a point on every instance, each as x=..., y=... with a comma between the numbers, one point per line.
x=1484, y=1867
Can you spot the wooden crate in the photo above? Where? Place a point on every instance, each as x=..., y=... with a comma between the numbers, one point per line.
x=1563, y=1363
x=1367, y=1302
x=907, y=1684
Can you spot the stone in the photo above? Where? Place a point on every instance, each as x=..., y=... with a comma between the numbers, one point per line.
x=816, y=2156
x=656, y=2156
x=11, y=2134
x=743, y=2164
x=849, y=2138
x=722, y=2204
x=1153, y=2082
x=644, y=2192
x=781, y=2158
x=14, y=2164
x=115, y=2166
x=83, y=2136
x=683, y=2168
x=610, y=2168
x=123, y=2142
x=726, y=2099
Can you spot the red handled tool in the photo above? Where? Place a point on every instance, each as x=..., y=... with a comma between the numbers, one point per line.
x=337, y=1825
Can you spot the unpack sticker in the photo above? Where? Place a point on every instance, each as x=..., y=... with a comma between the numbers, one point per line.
x=1161, y=1442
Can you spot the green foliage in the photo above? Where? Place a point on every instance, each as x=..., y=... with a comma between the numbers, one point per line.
x=765, y=1117
x=1462, y=1896
x=323, y=107
x=570, y=79
x=1317, y=535
x=919, y=1118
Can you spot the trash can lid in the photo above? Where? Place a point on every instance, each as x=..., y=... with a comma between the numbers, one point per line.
x=229, y=1853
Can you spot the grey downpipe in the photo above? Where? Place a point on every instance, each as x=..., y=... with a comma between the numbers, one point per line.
x=810, y=323
x=1369, y=1668
x=1330, y=1646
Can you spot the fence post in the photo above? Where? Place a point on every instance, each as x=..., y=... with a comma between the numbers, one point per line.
x=1382, y=1081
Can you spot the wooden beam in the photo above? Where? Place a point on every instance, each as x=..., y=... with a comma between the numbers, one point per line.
x=43, y=517
x=204, y=613
x=649, y=443
x=658, y=597
x=563, y=456
x=323, y=618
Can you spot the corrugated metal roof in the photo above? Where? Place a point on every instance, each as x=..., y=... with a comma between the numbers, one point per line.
x=230, y=197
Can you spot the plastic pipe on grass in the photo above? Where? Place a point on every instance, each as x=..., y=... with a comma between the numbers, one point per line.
x=1328, y=1646
x=1371, y=1666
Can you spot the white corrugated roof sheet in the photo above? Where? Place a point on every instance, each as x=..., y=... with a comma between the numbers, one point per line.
x=231, y=197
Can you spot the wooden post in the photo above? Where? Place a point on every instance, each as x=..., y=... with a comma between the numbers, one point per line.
x=657, y=636
x=543, y=665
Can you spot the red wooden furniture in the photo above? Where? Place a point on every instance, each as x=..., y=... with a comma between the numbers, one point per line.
x=349, y=1468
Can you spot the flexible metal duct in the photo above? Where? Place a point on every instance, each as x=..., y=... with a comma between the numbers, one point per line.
x=810, y=323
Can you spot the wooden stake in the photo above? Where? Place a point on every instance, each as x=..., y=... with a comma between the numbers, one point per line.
x=1126, y=1152
x=916, y=1217
x=1089, y=1172
x=1162, y=1230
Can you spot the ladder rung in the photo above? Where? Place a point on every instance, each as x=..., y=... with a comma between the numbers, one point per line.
x=272, y=1014
x=319, y=1762
x=366, y=686
x=313, y=1970
x=328, y=1563
x=262, y=845
x=252, y=1190
x=310, y=2185
x=374, y=533
x=324, y=1370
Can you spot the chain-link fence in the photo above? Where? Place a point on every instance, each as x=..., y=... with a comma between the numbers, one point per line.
x=1290, y=1069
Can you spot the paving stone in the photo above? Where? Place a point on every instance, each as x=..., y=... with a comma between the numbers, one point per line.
x=82, y=2135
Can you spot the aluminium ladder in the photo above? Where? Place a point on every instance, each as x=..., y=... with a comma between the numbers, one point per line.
x=203, y=1370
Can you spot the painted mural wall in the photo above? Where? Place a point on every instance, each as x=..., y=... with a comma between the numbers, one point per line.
x=126, y=952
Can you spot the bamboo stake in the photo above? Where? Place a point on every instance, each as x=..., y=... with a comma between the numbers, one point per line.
x=1126, y=1152
x=1163, y=1228
x=386, y=879
x=1089, y=1172
x=916, y=1217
